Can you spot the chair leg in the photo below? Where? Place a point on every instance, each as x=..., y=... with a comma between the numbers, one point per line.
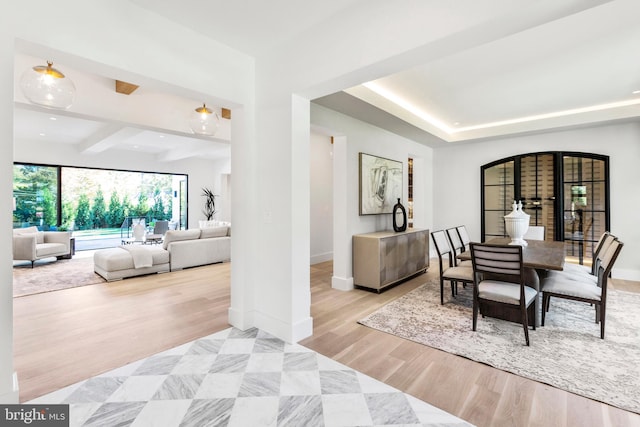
x=441, y=291
x=475, y=313
x=545, y=306
x=32, y=262
x=525, y=324
x=602, y=317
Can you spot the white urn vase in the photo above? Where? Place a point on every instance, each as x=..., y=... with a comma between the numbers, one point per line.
x=517, y=224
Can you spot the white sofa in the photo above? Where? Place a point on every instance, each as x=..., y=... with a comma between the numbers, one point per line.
x=180, y=249
x=118, y=263
x=194, y=247
x=30, y=244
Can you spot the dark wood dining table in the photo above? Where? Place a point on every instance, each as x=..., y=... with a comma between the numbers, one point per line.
x=538, y=256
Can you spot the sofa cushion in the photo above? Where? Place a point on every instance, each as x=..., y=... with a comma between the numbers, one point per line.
x=177, y=235
x=30, y=230
x=116, y=259
x=44, y=250
x=210, y=232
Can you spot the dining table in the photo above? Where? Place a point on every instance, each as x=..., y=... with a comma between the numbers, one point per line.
x=538, y=254
x=538, y=257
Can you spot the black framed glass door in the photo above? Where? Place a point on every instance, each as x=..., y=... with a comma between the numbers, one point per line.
x=567, y=193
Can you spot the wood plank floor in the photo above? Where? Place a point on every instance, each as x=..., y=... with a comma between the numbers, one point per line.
x=66, y=336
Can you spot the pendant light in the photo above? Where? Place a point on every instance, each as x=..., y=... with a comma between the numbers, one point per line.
x=204, y=121
x=47, y=86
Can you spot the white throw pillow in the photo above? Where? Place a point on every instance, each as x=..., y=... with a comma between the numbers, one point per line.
x=207, y=233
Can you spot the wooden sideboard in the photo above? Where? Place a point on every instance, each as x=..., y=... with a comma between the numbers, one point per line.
x=384, y=258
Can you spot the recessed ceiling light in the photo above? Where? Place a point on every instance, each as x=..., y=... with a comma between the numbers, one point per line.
x=135, y=146
x=635, y=92
x=53, y=118
x=161, y=136
x=456, y=123
x=42, y=134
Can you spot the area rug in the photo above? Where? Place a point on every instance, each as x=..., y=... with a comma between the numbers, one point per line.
x=566, y=353
x=50, y=275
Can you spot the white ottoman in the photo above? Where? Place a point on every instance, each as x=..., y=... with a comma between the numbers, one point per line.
x=117, y=263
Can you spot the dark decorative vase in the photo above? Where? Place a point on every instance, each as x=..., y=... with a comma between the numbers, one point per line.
x=397, y=209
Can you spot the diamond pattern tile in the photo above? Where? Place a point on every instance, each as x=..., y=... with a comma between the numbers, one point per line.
x=241, y=378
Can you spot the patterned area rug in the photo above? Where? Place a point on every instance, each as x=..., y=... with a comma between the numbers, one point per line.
x=566, y=353
x=50, y=275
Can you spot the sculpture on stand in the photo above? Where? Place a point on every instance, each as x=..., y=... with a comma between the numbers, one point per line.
x=517, y=224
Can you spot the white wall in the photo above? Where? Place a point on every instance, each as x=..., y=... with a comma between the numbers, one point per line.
x=321, y=206
x=354, y=137
x=457, y=168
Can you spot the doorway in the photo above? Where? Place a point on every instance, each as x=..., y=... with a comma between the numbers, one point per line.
x=566, y=192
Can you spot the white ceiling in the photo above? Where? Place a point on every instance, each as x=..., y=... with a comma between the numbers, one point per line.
x=575, y=70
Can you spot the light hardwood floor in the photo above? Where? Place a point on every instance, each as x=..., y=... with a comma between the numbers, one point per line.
x=66, y=336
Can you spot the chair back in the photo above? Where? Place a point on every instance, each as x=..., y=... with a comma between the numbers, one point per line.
x=441, y=243
x=464, y=236
x=161, y=227
x=608, y=259
x=535, y=232
x=504, y=260
x=454, y=239
x=601, y=251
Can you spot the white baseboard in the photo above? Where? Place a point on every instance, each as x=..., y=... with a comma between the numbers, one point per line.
x=13, y=396
x=290, y=333
x=317, y=259
x=240, y=320
x=342, y=283
x=626, y=274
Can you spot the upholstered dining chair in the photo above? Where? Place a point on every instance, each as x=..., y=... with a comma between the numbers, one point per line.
x=504, y=287
x=457, y=246
x=584, y=290
x=582, y=272
x=464, y=236
x=599, y=250
x=535, y=232
x=451, y=272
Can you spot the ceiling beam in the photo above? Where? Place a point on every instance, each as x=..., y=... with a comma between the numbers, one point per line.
x=125, y=88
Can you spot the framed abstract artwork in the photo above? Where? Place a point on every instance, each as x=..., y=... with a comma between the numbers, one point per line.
x=380, y=184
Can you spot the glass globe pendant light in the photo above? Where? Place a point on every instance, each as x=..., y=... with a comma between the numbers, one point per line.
x=204, y=121
x=47, y=86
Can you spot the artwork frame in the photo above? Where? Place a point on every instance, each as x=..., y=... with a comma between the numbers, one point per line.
x=380, y=184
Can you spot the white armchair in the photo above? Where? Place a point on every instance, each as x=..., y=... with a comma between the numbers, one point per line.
x=29, y=244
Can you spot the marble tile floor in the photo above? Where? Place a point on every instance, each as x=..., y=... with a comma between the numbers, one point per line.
x=244, y=379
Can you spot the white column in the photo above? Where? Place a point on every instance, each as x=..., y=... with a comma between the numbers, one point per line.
x=244, y=219
x=8, y=379
x=342, y=269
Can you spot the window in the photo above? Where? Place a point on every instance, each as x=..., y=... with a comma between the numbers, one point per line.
x=73, y=198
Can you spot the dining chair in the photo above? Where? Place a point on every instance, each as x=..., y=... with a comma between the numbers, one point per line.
x=583, y=290
x=584, y=273
x=500, y=283
x=535, y=232
x=457, y=246
x=451, y=273
x=464, y=236
x=600, y=248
